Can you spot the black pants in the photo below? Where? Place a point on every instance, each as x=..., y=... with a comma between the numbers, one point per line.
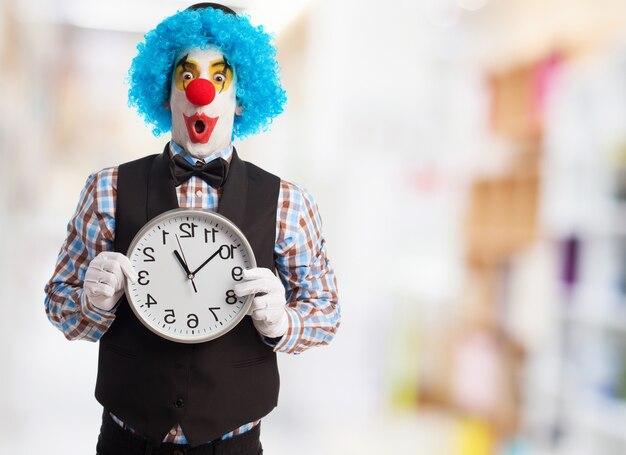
x=114, y=440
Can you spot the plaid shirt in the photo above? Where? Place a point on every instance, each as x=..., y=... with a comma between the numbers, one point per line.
x=300, y=252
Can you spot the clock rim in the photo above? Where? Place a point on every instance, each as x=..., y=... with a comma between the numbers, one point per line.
x=190, y=211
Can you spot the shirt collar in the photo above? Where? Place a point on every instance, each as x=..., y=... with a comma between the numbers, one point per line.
x=225, y=153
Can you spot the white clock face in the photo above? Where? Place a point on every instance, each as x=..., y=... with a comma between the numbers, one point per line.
x=187, y=263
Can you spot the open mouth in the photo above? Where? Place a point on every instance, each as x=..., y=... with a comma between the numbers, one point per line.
x=200, y=127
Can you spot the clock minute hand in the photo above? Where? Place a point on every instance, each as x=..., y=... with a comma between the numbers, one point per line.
x=183, y=262
x=207, y=261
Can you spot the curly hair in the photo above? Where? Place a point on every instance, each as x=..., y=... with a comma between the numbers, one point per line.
x=247, y=48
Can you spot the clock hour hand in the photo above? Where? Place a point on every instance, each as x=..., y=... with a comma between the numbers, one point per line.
x=183, y=263
x=186, y=269
x=208, y=260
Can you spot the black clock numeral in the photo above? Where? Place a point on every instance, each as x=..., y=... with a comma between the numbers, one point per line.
x=188, y=230
x=192, y=321
x=237, y=273
x=150, y=301
x=231, y=298
x=165, y=233
x=212, y=310
x=212, y=232
x=142, y=277
x=148, y=255
x=227, y=251
x=169, y=316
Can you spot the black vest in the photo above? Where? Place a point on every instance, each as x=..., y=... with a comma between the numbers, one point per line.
x=208, y=388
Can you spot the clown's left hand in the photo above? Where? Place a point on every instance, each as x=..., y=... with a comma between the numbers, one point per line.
x=268, y=308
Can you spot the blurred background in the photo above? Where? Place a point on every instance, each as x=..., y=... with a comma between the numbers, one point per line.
x=469, y=161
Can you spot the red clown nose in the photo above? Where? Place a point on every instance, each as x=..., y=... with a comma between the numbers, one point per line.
x=200, y=92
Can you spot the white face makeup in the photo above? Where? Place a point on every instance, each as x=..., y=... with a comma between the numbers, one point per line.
x=203, y=102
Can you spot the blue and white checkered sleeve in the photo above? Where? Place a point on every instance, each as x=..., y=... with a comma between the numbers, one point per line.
x=306, y=272
x=90, y=231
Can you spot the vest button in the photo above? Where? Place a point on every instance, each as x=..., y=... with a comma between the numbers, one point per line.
x=179, y=403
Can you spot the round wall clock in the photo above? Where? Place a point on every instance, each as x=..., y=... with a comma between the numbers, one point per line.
x=187, y=263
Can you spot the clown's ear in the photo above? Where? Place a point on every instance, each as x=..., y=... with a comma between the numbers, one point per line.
x=238, y=110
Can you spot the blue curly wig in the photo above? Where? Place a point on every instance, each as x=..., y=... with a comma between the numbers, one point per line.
x=247, y=48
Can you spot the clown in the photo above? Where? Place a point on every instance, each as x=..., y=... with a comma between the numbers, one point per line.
x=207, y=76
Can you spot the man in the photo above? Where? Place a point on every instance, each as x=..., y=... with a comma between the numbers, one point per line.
x=207, y=75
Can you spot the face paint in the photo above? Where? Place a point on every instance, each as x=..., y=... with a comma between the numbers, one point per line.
x=203, y=102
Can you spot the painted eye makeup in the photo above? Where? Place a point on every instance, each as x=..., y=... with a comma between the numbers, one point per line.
x=221, y=74
x=185, y=72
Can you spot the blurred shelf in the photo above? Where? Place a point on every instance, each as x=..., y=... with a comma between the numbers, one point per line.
x=594, y=307
x=619, y=219
x=608, y=223
x=614, y=320
x=603, y=417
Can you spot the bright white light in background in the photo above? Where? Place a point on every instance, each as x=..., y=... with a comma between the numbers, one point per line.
x=142, y=15
x=120, y=15
x=472, y=5
x=276, y=15
x=447, y=13
x=442, y=13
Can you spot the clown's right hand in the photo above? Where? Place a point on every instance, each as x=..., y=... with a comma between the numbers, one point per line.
x=104, y=280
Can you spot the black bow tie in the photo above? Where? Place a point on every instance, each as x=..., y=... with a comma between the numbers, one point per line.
x=214, y=172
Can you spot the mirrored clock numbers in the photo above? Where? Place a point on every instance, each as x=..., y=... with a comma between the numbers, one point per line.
x=187, y=263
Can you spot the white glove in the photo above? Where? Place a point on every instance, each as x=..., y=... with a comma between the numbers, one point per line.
x=268, y=308
x=104, y=280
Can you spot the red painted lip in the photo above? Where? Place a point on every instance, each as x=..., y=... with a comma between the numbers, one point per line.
x=200, y=127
